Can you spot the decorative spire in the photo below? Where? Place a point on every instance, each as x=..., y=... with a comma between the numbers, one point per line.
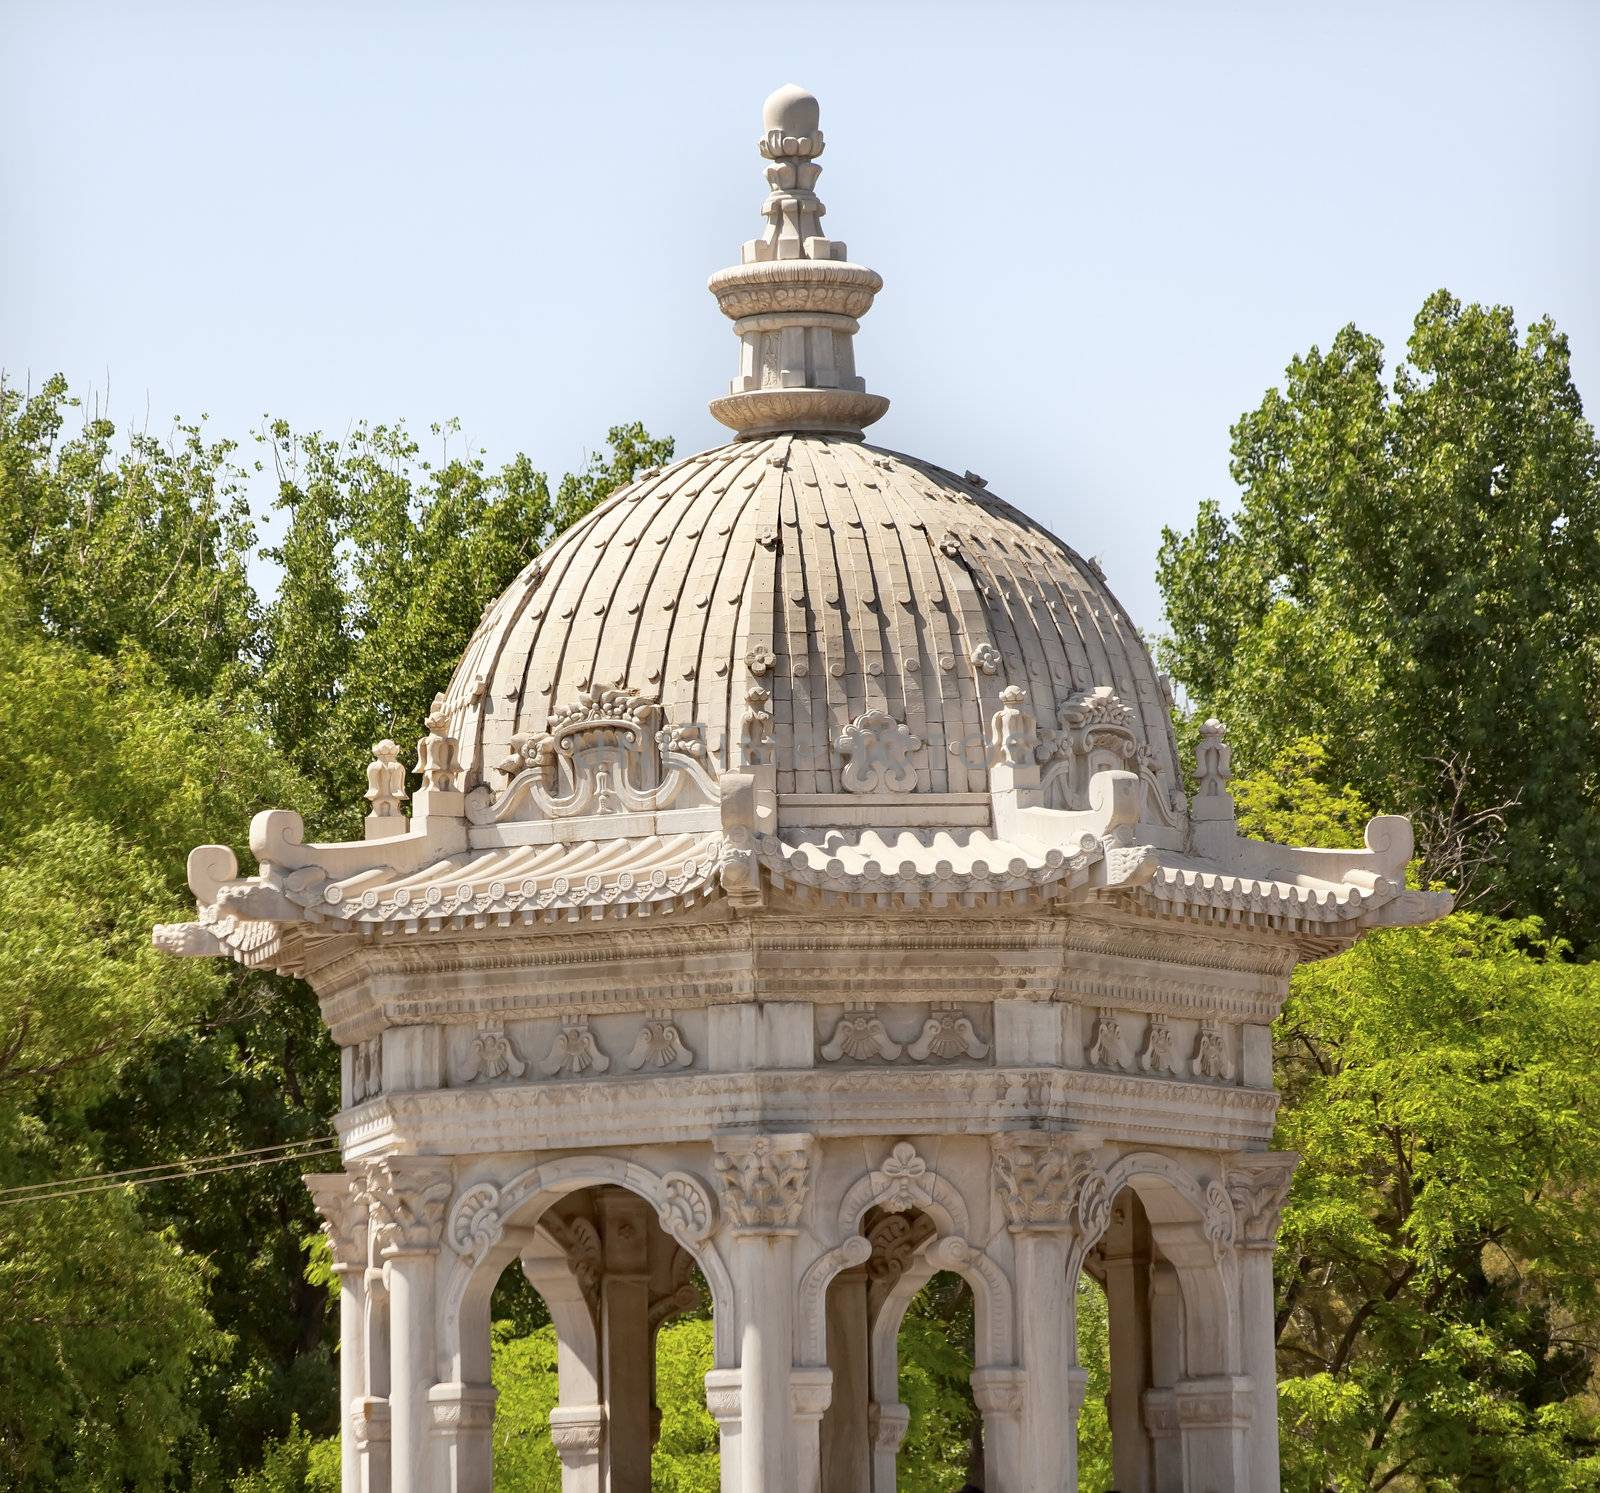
x=795, y=299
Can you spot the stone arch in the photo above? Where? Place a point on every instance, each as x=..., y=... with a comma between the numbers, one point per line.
x=1192, y=1223
x=904, y=1181
x=490, y=1224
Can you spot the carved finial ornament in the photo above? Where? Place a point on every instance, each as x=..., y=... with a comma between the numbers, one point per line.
x=795, y=299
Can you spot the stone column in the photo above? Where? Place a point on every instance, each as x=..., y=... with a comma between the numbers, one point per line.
x=722, y=1403
x=1257, y=1184
x=1057, y=1205
x=1166, y=1367
x=578, y=1421
x=369, y=1417
x=846, y=1443
x=887, y=1422
x=998, y=1393
x=409, y=1197
x=810, y=1390
x=1126, y=1251
x=340, y=1201
x=625, y=1338
x=763, y=1180
x=462, y=1420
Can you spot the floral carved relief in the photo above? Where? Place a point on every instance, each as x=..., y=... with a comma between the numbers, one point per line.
x=877, y=751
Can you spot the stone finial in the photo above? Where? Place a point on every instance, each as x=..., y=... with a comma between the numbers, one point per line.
x=1213, y=760
x=795, y=299
x=438, y=759
x=386, y=791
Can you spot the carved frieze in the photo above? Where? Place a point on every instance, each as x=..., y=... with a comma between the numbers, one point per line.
x=494, y=1057
x=1107, y=1048
x=1158, y=1056
x=946, y=1034
x=1211, y=1060
x=659, y=1045
x=574, y=1051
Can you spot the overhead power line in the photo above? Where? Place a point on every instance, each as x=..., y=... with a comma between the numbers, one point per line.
x=172, y=1171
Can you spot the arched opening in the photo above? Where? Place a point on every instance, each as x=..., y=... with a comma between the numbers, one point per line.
x=943, y=1446
x=1095, y=1471
x=594, y=1325
x=1157, y=1333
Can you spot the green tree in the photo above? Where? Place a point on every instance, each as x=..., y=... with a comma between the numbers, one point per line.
x=1412, y=577
x=1439, y=1312
x=155, y=704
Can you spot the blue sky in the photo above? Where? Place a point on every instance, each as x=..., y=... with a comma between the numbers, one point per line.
x=1104, y=229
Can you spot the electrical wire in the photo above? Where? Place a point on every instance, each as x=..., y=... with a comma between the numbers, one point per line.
x=172, y=1171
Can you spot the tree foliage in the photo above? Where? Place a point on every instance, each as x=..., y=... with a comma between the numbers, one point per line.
x=1412, y=578
x=170, y=1336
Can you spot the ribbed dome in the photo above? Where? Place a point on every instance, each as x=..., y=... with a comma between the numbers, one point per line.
x=840, y=578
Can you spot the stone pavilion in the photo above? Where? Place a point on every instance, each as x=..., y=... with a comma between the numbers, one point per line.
x=800, y=887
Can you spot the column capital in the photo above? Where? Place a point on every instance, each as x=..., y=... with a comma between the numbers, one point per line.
x=723, y=1388
x=1258, y=1183
x=811, y=1390
x=461, y=1407
x=1050, y=1181
x=577, y=1432
x=1221, y=1402
x=887, y=1423
x=341, y=1200
x=763, y=1179
x=998, y=1391
x=369, y=1419
x=408, y=1196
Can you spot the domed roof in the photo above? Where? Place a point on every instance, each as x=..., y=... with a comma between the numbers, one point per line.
x=823, y=581
x=793, y=675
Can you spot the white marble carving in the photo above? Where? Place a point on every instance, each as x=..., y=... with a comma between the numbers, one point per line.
x=877, y=751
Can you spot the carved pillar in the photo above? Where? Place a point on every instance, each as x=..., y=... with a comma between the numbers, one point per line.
x=1126, y=1252
x=1057, y=1205
x=887, y=1422
x=998, y=1393
x=846, y=1444
x=461, y=1417
x=1258, y=1184
x=409, y=1196
x=810, y=1390
x=722, y=1403
x=369, y=1416
x=564, y=1271
x=763, y=1181
x=340, y=1201
x=625, y=1348
x=1166, y=1367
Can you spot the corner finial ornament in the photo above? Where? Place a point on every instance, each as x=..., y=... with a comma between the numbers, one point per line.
x=795, y=299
